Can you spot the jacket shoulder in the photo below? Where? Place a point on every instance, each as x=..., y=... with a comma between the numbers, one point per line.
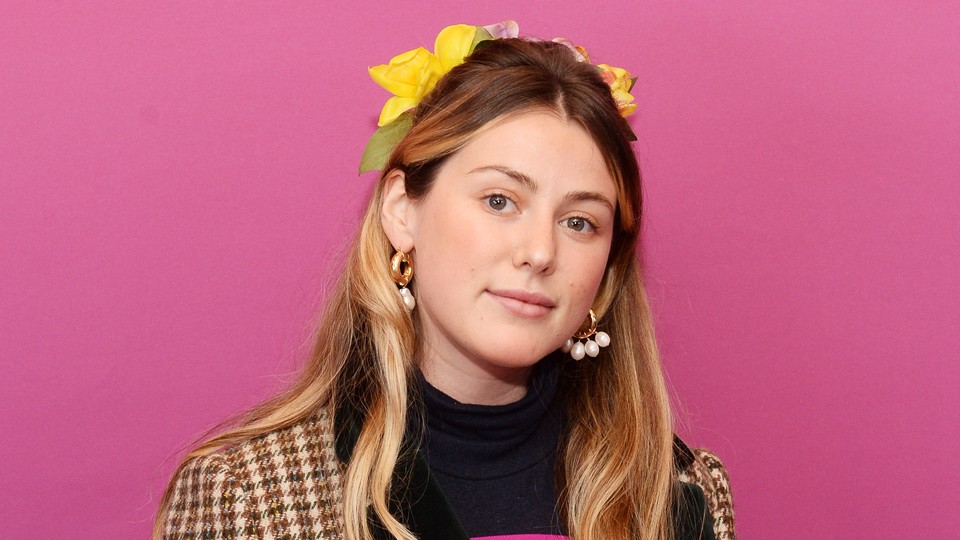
x=705, y=470
x=283, y=484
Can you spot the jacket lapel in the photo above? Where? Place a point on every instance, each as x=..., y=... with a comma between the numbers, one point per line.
x=416, y=498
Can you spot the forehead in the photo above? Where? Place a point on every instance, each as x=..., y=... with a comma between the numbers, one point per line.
x=540, y=144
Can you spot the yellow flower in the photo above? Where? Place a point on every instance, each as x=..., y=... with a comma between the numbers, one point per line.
x=453, y=44
x=413, y=74
x=620, y=85
x=408, y=76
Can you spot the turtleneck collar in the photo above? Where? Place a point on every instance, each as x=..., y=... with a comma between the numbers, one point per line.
x=490, y=441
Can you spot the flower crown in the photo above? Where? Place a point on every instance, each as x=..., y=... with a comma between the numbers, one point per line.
x=412, y=75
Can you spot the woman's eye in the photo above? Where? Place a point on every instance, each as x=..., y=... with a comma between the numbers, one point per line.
x=498, y=202
x=578, y=224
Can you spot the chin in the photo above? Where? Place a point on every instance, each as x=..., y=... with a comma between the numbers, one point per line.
x=516, y=357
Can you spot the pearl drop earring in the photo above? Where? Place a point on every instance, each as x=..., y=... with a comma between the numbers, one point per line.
x=401, y=270
x=591, y=348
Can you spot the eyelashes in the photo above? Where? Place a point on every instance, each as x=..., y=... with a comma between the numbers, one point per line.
x=580, y=224
x=501, y=203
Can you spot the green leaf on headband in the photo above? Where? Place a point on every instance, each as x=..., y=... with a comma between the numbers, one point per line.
x=633, y=81
x=481, y=36
x=384, y=140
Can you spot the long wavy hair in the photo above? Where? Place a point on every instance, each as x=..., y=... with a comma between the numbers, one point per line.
x=615, y=472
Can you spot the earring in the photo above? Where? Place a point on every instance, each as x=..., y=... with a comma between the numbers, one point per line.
x=401, y=270
x=591, y=348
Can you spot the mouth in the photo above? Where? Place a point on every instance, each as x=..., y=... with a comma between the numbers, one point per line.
x=522, y=303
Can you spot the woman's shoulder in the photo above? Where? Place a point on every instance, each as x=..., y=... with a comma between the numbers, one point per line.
x=307, y=445
x=701, y=469
x=274, y=484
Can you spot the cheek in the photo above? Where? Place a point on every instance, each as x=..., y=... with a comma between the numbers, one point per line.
x=591, y=268
x=448, y=247
x=460, y=236
x=586, y=275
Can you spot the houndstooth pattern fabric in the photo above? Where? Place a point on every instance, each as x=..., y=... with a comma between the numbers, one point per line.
x=286, y=486
x=283, y=485
x=709, y=473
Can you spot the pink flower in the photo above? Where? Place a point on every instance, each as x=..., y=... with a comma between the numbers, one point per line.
x=578, y=51
x=503, y=30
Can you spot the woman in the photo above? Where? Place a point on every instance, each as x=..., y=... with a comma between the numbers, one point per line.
x=448, y=394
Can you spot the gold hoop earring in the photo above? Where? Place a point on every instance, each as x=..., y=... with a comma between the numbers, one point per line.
x=401, y=270
x=577, y=348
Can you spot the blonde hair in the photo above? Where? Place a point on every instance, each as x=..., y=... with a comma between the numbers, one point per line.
x=615, y=473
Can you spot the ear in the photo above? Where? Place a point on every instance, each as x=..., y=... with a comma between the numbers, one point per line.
x=397, y=212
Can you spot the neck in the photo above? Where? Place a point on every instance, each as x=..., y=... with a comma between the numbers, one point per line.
x=477, y=385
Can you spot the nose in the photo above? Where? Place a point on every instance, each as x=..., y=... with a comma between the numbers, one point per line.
x=535, y=246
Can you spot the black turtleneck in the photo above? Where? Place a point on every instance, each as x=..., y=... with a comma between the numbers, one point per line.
x=496, y=463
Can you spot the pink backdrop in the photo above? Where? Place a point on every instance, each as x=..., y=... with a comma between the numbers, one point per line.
x=177, y=177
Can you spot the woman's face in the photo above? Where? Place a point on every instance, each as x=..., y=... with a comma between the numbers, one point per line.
x=511, y=244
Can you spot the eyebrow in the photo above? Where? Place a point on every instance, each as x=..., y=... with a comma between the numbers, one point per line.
x=523, y=179
x=532, y=185
x=591, y=196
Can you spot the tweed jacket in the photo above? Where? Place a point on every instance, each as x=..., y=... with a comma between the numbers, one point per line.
x=287, y=485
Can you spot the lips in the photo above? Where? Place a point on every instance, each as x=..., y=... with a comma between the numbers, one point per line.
x=523, y=303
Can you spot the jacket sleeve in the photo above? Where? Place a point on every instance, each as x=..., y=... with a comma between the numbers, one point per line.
x=207, y=501
x=708, y=472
